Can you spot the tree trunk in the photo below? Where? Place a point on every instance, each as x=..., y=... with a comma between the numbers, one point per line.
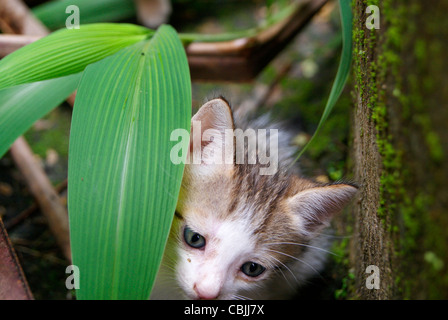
x=400, y=149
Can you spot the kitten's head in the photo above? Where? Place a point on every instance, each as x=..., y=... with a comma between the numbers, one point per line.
x=236, y=228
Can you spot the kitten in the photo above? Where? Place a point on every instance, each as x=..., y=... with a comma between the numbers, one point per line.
x=238, y=234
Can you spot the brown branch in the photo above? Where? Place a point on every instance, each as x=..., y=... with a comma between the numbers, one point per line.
x=16, y=18
x=153, y=13
x=11, y=42
x=44, y=193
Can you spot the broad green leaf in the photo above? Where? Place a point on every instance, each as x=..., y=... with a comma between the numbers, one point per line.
x=67, y=51
x=53, y=14
x=21, y=106
x=343, y=69
x=123, y=187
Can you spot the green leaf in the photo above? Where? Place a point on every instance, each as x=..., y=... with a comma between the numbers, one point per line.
x=123, y=187
x=67, y=51
x=343, y=70
x=53, y=14
x=22, y=105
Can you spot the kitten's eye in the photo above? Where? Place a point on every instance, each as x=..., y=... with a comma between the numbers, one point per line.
x=252, y=269
x=193, y=239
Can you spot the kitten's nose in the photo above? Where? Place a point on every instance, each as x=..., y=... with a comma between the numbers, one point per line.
x=205, y=292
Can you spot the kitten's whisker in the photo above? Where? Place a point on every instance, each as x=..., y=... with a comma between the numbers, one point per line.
x=297, y=259
x=240, y=297
x=172, y=268
x=287, y=268
x=306, y=245
x=335, y=237
x=169, y=261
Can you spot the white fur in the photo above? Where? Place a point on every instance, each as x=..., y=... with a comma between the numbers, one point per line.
x=215, y=270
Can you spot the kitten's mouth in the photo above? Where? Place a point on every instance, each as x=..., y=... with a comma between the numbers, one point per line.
x=194, y=296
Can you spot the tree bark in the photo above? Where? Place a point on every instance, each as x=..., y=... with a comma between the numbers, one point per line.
x=400, y=145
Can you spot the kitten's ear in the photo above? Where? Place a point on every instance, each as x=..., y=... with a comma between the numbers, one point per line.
x=208, y=128
x=315, y=207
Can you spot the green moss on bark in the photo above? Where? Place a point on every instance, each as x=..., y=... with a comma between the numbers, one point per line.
x=393, y=84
